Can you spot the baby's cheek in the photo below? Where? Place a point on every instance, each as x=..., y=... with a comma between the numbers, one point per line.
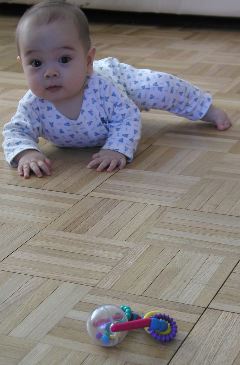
x=36, y=86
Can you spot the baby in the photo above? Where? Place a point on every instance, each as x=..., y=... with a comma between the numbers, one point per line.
x=75, y=101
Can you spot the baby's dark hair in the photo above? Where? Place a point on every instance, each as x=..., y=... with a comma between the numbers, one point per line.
x=49, y=11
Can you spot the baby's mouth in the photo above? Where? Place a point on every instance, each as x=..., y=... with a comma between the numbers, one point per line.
x=53, y=88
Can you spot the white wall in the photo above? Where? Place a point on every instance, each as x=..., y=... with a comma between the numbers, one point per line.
x=195, y=7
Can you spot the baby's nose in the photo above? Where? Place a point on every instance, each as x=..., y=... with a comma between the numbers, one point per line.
x=50, y=72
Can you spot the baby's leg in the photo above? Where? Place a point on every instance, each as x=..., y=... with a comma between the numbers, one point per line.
x=158, y=90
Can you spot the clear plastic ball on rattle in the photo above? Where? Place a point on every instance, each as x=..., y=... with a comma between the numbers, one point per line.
x=99, y=325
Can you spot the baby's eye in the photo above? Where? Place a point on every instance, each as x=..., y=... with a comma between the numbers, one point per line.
x=35, y=63
x=64, y=59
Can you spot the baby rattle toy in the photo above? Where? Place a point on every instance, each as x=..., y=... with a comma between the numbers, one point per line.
x=108, y=325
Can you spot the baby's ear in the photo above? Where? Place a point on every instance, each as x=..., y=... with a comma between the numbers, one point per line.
x=19, y=61
x=90, y=59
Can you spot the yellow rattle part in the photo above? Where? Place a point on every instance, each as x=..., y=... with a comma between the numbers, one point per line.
x=151, y=314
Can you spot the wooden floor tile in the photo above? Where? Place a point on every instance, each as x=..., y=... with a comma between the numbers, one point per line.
x=13, y=349
x=220, y=196
x=20, y=295
x=71, y=257
x=135, y=186
x=171, y=274
x=196, y=142
x=24, y=212
x=205, y=232
x=69, y=174
x=104, y=217
x=32, y=306
x=228, y=297
x=43, y=354
x=13, y=236
x=164, y=233
x=191, y=278
x=215, y=340
x=33, y=205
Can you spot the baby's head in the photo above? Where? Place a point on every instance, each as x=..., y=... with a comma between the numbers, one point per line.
x=50, y=11
x=55, y=50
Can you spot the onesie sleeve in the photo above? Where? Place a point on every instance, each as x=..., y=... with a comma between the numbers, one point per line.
x=124, y=122
x=23, y=130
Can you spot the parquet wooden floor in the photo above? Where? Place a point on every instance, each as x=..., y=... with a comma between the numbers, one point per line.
x=164, y=233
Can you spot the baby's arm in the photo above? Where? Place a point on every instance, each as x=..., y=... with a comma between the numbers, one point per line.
x=124, y=130
x=21, y=142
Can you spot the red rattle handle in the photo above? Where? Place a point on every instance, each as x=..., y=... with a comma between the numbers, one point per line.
x=131, y=325
x=154, y=324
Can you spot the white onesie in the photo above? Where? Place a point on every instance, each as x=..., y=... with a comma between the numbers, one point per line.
x=110, y=113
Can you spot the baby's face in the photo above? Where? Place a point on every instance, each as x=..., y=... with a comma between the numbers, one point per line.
x=54, y=60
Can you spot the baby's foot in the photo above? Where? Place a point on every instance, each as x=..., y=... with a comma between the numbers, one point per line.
x=217, y=117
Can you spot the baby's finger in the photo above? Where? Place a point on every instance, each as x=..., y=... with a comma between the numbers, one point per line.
x=26, y=170
x=44, y=167
x=94, y=163
x=122, y=163
x=96, y=155
x=20, y=170
x=35, y=168
x=112, y=166
x=48, y=162
x=103, y=165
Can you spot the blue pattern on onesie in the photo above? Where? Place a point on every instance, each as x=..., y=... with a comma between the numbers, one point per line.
x=110, y=113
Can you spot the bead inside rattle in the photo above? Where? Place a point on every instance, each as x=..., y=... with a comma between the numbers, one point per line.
x=99, y=325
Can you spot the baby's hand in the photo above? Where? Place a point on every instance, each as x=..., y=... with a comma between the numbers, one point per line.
x=107, y=160
x=32, y=160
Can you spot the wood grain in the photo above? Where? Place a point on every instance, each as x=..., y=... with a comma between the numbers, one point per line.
x=164, y=233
